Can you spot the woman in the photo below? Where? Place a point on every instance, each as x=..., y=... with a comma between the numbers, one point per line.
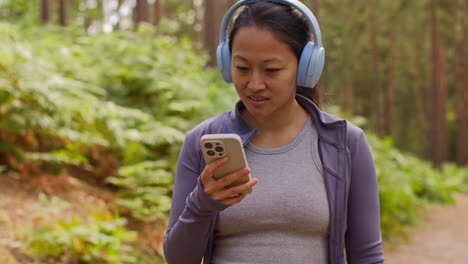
x=315, y=184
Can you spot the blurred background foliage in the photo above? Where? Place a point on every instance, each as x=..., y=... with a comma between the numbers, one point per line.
x=107, y=97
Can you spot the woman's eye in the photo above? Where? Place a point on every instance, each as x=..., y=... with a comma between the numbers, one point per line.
x=272, y=69
x=240, y=68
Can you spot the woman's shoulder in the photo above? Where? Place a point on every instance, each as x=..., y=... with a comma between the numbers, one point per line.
x=330, y=119
x=353, y=132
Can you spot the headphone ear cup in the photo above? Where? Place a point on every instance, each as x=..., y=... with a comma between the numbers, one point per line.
x=310, y=65
x=224, y=60
x=316, y=66
x=304, y=64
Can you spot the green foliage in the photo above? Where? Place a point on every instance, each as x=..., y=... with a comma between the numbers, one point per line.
x=62, y=92
x=406, y=185
x=103, y=240
x=147, y=190
x=24, y=10
x=456, y=177
x=130, y=92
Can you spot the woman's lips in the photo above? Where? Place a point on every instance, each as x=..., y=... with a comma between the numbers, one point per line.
x=257, y=100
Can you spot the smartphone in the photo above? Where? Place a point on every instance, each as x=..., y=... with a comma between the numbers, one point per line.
x=216, y=146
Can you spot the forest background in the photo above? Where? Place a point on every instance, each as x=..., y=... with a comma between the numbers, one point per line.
x=95, y=98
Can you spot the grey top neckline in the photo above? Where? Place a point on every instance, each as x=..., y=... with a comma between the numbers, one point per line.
x=273, y=151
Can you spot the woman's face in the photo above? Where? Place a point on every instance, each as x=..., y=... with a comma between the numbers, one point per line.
x=264, y=72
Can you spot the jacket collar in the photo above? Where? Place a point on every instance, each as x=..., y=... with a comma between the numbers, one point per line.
x=329, y=127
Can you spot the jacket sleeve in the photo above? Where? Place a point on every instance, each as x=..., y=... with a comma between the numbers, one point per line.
x=192, y=210
x=363, y=239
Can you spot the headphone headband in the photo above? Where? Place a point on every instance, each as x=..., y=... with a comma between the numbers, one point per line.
x=311, y=61
x=312, y=21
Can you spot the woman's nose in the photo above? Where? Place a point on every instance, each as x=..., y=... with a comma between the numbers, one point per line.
x=256, y=81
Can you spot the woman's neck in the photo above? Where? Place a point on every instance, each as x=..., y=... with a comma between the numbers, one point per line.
x=279, y=129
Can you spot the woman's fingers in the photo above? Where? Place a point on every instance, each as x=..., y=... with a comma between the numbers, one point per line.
x=230, y=178
x=217, y=188
x=220, y=184
x=233, y=192
x=208, y=172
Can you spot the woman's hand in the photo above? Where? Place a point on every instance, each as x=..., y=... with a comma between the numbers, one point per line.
x=217, y=190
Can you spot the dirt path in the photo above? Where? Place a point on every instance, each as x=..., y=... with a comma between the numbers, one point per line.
x=440, y=238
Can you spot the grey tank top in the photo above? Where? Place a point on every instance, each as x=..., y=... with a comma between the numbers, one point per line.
x=286, y=217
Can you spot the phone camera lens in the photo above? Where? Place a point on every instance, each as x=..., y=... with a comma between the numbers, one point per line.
x=208, y=145
x=219, y=149
x=210, y=153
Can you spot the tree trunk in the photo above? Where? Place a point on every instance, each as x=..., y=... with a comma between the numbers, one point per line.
x=158, y=6
x=230, y=3
x=461, y=87
x=347, y=98
x=376, y=113
x=141, y=12
x=212, y=23
x=389, y=98
x=46, y=6
x=119, y=5
x=419, y=96
x=316, y=9
x=437, y=119
x=63, y=4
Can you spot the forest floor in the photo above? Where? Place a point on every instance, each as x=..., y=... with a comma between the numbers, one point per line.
x=26, y=205
x=441, y=236
x=22, y=209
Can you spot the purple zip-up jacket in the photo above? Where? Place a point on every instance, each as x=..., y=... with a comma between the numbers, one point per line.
x=350, y=182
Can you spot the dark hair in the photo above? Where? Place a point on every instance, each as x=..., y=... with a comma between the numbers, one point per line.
x=287, y=24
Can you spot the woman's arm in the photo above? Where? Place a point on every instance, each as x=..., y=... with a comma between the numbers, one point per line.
x=363, y=237
x=196, y=199
x=192, y=210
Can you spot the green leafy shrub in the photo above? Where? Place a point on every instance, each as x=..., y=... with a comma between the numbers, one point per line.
x=456, y=177
x=103, y=240
x=130, y=92
x=146, y=193
x=406, y=185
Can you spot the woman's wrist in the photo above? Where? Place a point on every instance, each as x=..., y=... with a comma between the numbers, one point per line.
x=201, y=203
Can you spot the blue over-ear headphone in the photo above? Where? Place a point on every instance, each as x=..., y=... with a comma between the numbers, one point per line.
x=312, y=57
